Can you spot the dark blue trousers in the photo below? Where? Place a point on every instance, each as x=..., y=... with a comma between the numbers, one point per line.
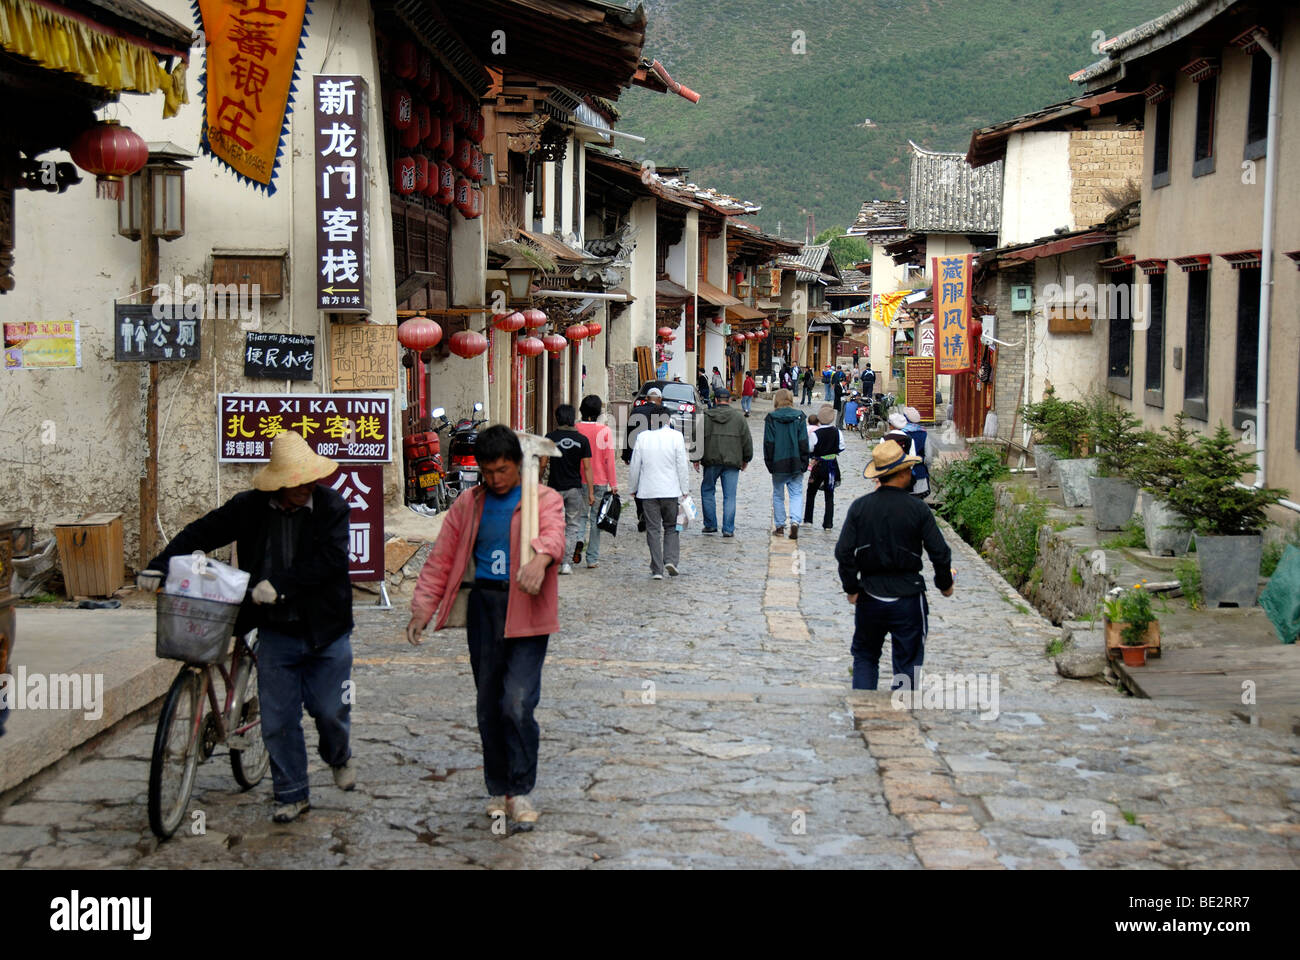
x=906, y=620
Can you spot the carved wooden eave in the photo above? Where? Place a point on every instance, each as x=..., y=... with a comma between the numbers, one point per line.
x=524, y=134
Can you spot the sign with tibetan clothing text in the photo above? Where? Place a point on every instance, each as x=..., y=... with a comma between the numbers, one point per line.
x=362, y=488
x=918, y=380
x=952, y=295
x=341, y=112
x=352, y=427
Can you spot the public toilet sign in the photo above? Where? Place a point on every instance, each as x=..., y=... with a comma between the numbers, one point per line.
x=342, y=134
x=350, y=428
x=362, y=488
x=150, y=331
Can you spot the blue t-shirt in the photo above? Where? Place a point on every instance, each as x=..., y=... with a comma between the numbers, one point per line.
x=851, y=413
x=492, y=548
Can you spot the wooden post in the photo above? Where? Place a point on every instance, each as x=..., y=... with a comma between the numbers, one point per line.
x=535, y=448
x=148, y=279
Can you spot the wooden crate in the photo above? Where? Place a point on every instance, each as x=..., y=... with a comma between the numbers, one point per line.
x=90, y=550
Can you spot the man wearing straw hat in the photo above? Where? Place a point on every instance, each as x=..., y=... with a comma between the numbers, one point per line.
x=879, y=556
x=291, y=536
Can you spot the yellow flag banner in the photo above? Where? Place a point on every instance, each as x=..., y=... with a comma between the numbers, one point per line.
x=887, y=305
x=952, y=276
x=248, y=81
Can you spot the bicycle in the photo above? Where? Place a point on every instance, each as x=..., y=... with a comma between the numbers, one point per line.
x=188, y=731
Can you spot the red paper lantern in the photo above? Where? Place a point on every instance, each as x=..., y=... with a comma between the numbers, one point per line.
x=110, y=151
x=446, y=183
x=434, y=89
x=530, y=346
x=467, y=343
x=478, y=204
x=406, y=59
x=447, y=94
x=976, y=330
x=423, y=120
x=554, y=343
x=767, y=324
x=478, y=128
x=410, y=137
x=738, y=337
x=433, y=139
x=463, y=200
x=477, y=164
x=665, y=332
x=419, y=333
x=454, y=110
x=468, y=111
x=424, y=72
x=431, y=185
x=534, y=318
x=404, y=175
x=462, y=159
x=447, y=146
x=421, y=174
x=403, y=109
x=750, y=335
x=593, y=329
x=508, y=322
x=577, y=332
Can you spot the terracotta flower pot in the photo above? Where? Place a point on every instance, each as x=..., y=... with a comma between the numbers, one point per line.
x=1135, y=656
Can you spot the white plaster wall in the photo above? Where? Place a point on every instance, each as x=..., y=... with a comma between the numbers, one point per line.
x=1035, y=186
x=71, y=265
x=1074, y=363
x=641, y=328
x=683, y=265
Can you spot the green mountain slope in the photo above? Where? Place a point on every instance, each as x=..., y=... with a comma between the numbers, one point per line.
x=786, y=129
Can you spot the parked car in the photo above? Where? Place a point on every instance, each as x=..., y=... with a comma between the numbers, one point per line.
x=681, y=400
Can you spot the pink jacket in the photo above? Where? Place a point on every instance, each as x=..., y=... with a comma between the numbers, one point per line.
x=452, y=554
x=603, y=468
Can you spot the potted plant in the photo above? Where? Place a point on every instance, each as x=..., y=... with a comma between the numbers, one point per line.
x=1061, y=453
x=1227, y=517
x=1131, y=625
x=1119, y=442
x=1158, y=470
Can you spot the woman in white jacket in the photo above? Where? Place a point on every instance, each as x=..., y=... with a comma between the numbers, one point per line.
x=659, y=477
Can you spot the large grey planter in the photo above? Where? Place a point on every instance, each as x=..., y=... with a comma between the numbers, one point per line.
x=1045, y=461
x=1073, y=476
x=1113, y=500
x=1229, y=569
x=1167, y=533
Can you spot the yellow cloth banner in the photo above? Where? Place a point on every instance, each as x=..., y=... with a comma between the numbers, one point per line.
x=952, y=311
x=252, y=60
x=887, y=307
x=113, y=63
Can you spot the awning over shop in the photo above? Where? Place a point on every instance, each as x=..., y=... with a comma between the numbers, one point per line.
x=1055, y=248
x=670, y=294
x=741, y=312
x=819, y=328
x=556, y=248
x=715, y=295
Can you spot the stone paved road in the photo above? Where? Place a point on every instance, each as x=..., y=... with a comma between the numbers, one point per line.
x=753, y=753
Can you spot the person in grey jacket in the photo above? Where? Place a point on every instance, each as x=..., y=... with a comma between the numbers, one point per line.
x=728, y=448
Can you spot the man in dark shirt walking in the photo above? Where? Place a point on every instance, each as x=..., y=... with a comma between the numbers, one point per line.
x=566, y=477
x=879, y=556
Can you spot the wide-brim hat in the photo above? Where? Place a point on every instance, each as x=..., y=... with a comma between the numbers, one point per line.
x=912, y=414
x=898, y=419
x=888, y=458
x=293, y=463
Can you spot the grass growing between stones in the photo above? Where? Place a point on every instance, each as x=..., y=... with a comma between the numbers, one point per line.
x=1133, y=535
x=1188, y=573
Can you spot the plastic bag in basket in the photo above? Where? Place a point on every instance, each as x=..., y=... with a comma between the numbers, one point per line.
x=197, y=576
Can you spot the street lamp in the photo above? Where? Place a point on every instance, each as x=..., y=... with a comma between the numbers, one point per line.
x=519, y=275
x=158, y=188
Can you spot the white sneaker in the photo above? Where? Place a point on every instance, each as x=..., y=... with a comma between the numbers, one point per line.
x=566, y=568
x=671, y=568
x=657, y=576
x=288, y=812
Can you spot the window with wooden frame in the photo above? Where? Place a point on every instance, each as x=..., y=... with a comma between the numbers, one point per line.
x=1155, y=360
x=1203, y=155
x=1119, y=352
x=1196, y=368
x=557, y=208
x=539, y=195
x=1245, y=394
x=1261, y=69
x=1160, y=145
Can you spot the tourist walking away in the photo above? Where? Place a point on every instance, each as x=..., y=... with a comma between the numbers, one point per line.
x=291, y=535
x=825, y=473
x=648, y=416
x=702, y=385
x=603, y=477
x=785, y=452
x=659, y=477
x=716, y=383
x=747, y=392
x=868, y=382
x=728, y=448
x=879, y=558
x=921, y=448
x=808, y=378
x=511, y=612
x=570, y=476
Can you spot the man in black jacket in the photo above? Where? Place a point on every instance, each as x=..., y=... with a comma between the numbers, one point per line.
x=879, y=555
x=291, y=536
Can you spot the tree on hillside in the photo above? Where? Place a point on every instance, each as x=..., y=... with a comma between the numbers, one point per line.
x=846, y=250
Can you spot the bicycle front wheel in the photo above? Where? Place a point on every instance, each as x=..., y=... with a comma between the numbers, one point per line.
x=249, y=760
x=176, y=748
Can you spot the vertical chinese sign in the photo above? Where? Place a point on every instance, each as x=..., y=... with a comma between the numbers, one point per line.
x=342, y=117
x=251, y=65
x=952, y=277
x=362, y=488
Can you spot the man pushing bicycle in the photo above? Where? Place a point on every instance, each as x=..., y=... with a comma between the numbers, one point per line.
x=292, y=539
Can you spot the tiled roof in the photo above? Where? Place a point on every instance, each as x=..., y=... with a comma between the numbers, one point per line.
x=948, y=196
x=1198, y=11
x=877, y=214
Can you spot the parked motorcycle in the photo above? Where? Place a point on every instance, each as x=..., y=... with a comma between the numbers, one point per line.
x=462, y=468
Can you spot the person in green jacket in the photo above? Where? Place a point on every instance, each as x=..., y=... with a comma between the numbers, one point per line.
x=728, y=448
x=785, y=451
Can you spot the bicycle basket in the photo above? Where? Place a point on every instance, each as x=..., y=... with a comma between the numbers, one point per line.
x=194, y=630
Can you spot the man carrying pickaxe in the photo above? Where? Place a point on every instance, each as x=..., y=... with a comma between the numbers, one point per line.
x=505, y=537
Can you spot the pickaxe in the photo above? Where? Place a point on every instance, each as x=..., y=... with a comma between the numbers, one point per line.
x=535, y=448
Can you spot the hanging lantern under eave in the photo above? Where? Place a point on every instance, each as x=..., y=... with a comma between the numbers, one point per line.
x=447, y=145
x=402, y=111
x=404, y=176
x=446, y=184
x=419, y=333
x=478, y=128
x=508, y=322
x=534, y=318
x=738, y=337
x=406, y=60
x=530, y=346
x=424, y=72
x=665, y=333
x=767, y=324
x=577, y=332
x=421, y=174
x=976, y=330
x=467, y=343
x=433, y=139
x=463, y=199
x=110, y=151
x=593, y=329
x=554, y=343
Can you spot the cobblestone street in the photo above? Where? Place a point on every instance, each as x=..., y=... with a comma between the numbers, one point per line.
x=708, y=721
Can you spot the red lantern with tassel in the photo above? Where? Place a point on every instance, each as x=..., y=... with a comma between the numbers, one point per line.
x=534, y=318
x=530, y=346
x=665, y=333
x=419, y=333
x=403, y=109
x=446, y=183
x=738, y=337
x=406, y=60
x=976, y=330
x=463, y=158
x=593, y=329
x=477, y=165
x=421, y=174
x=433, y=138
x=110, y=151
x=577, y=332
x=468, y=344
x=404, y=175
x=508, y=322
x=478, y=129
x=424, y=72
x=463, y=200
x=554, y=343
x=447, y=146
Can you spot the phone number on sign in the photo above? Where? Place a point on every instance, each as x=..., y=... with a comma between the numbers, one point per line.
x=352, y=449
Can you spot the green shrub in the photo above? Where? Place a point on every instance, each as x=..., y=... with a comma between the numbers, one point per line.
x=1273, y=551
x=1133, y=535
x=1015, y=542
x=1208, y=494
x=1188, y=573
x=964, y=494
x=1116, y=433
x=1060, y=424
x=974, y=517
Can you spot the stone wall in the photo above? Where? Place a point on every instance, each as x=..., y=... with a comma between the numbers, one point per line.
x=1102, y=160
x=1008, y=380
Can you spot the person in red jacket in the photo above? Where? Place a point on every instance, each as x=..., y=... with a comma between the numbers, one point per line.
x=604, y=476
x=747, y=392
x=512, y=611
